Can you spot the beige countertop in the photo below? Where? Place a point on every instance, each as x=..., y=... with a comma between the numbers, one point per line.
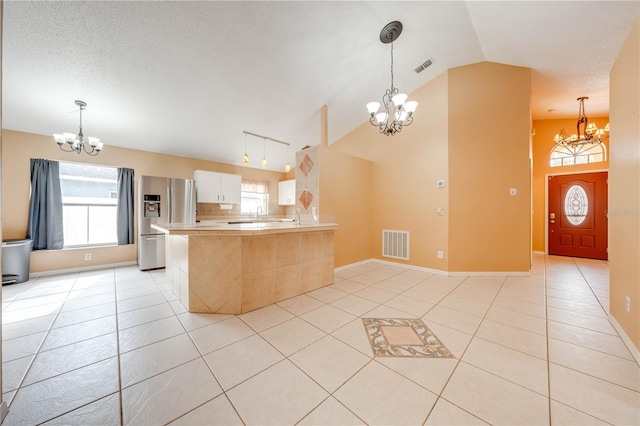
x=255, y=228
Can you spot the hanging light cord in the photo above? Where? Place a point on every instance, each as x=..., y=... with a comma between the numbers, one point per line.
x=393, y=89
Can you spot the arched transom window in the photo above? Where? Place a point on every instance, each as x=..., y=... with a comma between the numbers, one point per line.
x=577, y=154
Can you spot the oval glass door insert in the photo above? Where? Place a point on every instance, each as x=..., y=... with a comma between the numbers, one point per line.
x=576, y=205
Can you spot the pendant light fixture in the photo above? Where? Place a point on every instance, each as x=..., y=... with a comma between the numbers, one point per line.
x=77, y=143
x=264, y=162
x=587, y=133
x=396, y=110
x=245, y=157
x=287, y=167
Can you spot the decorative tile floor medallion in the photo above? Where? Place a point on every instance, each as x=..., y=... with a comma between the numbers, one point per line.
x=403, y=337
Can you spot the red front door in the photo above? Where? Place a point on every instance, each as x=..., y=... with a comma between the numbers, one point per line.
x=577, y=215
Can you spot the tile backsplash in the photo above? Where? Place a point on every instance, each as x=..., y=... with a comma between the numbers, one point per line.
x=212, y=211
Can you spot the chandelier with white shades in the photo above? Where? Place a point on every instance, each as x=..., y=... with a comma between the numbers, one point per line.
x=396, y=110
x=77, y=143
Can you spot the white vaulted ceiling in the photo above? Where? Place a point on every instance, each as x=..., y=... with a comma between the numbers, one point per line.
x=186, y=78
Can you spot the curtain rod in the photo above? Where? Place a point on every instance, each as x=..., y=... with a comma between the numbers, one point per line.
x=265, y=137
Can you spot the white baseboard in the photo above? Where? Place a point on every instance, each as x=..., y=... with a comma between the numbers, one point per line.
x=437, y=271
x=632, y=348
x=412, y=267
x=4, y=410
x=491, y=274
x=539, y=252
x=81, y=269
x=351, y=265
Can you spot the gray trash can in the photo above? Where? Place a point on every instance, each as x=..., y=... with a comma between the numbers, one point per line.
x=15, y=261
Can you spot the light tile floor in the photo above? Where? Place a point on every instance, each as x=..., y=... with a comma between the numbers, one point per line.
x=115, y=347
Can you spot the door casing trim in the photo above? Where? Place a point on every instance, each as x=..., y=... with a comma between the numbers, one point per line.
x=546, y=200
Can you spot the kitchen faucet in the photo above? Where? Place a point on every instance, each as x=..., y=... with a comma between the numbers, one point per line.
x=258, y=211
x=297, y=216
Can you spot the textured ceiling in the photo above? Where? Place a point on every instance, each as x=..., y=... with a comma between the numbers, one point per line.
x=186, y=78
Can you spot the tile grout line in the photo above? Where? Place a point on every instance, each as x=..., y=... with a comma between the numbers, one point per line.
x=546, y=326
x=117, y=355
x=586, y=280
x=371, y=359
x=592, y=349
x=463, y=352
x=51, y=327
x=287, y=357
x=41, y=343
x=159, y=373
x=201, y=355
x=38, y=352
x=119, y=391
x=548, y=339
x=572, y=369
x=115, y=295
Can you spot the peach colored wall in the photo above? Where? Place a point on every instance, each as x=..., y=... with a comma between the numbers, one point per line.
x=404, y=174
x=17, y=150
x=489, y=153
x=624, y=186
x=3, y=413
x=453, y=139
x=346, y=194
x=545, y=130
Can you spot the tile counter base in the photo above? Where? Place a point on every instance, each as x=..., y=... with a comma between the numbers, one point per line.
x=234, y=274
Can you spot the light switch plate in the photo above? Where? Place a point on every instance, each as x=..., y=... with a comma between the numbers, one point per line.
x=440, y=183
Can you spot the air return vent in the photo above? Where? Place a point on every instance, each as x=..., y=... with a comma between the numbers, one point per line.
x=395, y=244
x=424, y=65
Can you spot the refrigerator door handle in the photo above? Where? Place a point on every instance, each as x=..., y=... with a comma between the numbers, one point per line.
x=171, y=201
x=191, y=201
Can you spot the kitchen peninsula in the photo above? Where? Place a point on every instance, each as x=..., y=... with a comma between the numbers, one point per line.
x=225, y=268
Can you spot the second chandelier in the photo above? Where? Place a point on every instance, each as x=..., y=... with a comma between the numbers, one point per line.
x=396, y=110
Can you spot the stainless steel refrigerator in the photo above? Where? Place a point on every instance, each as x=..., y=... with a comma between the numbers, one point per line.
x=161, y=200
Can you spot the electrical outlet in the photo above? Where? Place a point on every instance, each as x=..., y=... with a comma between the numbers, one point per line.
x=87, y=256
x=627, y=303
x=440, y=254
x=440, y=183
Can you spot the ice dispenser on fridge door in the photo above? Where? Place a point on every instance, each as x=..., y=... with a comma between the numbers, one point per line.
x=151, y=205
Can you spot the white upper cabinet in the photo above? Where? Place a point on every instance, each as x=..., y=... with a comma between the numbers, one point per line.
x=230, y=188
x=213, y=187
x=287, y=192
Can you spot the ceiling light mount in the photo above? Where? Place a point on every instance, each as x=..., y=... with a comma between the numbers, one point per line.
x=76, y=143
x=587, y=134
x=391, y=32
x=396, y=110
